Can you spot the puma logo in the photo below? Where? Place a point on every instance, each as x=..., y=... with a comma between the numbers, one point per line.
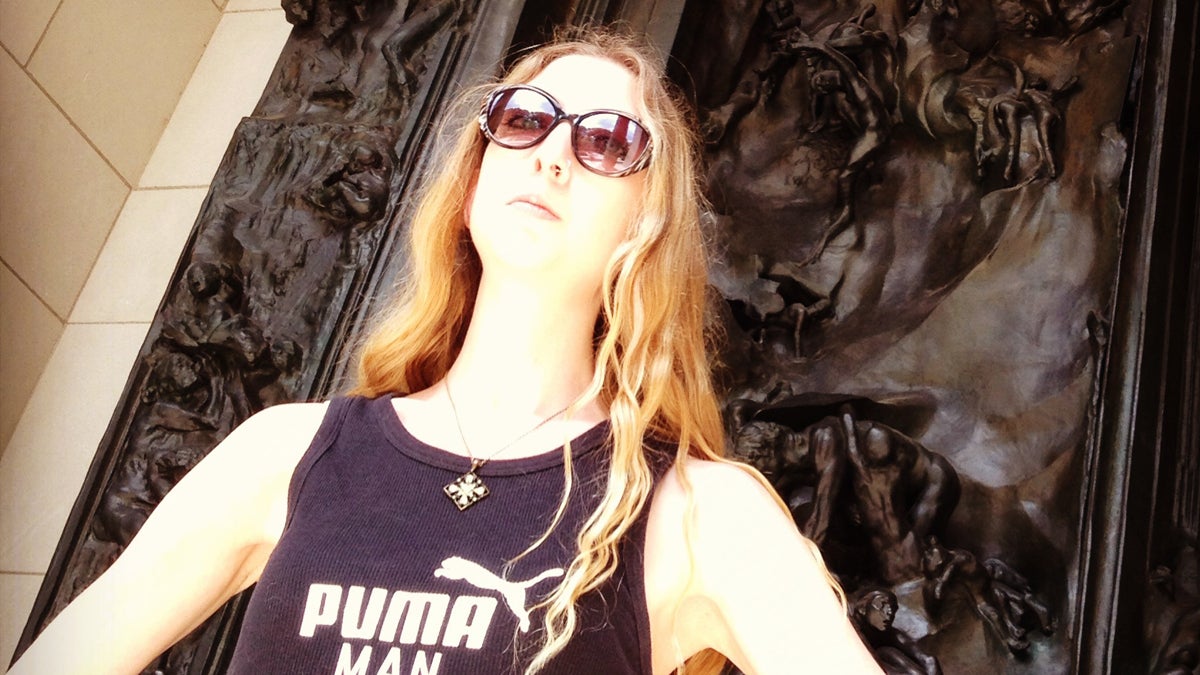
x=513, y=592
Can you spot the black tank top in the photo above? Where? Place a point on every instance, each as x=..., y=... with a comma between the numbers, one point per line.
x=378, y=572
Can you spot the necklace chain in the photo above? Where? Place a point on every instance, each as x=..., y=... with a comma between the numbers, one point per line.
x=468, y=489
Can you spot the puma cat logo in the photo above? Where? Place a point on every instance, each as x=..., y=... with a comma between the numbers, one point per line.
x=513, y=592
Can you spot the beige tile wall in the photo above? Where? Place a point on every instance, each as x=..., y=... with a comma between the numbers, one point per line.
x=60, y=195
x=98, y=193
x=22, y=23
x=117, y=69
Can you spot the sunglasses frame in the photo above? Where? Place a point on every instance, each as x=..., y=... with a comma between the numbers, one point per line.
x=560, y=116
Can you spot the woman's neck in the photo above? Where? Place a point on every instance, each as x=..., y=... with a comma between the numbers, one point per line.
x=527, y=350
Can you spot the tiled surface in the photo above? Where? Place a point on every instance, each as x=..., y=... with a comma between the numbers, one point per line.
x=28, y=333
x=17, y=593
x=45, y=462
x=140, y=55
x=22, y=23
x=244, y=5
x=225, y=87
x=133, y=270
x=59, y=201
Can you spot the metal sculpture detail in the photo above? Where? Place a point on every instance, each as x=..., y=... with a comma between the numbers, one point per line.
x=917, y=209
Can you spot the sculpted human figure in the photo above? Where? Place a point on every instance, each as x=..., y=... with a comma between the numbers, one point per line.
x=782, y=18
x=874, y=611
x=903, y=493
x=873, y=51
x=1173, y=616
x=1081, y=16
x=841, y=91
x=805, y=301
x=355, y=189
x=999, y=108
x=719, y=121
x=1041, y=100
x=402, y=49
x=895, y=490
x=795, y=461
x=547, y=351
x=355, y=60
x=946, y=568
x=1011, y=591
x=1002, y=598
x=180, y=423
x=781, y=14
x=179, y=390
x=212, y=296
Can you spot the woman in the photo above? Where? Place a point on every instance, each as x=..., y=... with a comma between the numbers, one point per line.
x=530, y=479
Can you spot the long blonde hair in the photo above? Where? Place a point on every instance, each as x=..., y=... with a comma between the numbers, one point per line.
x=651, y=363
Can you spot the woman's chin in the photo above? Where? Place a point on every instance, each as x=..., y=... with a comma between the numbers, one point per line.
x=523, y=259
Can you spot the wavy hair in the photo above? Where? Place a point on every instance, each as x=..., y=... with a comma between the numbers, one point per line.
x=651, y=362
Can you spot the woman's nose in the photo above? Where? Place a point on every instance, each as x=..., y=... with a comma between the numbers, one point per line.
x=554, y=154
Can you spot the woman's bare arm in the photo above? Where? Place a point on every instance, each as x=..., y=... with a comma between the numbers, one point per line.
x=756, y=594
x=207, y=540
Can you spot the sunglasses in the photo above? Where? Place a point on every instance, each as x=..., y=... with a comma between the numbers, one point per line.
x=606, y=142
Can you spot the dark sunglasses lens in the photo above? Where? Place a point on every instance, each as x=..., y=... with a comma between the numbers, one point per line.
x=608, y=142
x=519, y=118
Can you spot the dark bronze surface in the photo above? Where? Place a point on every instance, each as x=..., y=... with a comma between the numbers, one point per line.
x=922, y=202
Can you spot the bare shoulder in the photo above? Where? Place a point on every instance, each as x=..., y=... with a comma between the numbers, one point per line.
x=286, y=419
x=250, y=470
x=240, y=489
x=276, y=433
x=720, y=492
x=756, y=590
x=267, y=444
x=729, y=510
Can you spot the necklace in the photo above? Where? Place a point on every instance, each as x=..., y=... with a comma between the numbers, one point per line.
x=468, y=489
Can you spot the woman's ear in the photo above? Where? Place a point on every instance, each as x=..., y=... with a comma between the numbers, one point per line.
x=468, y=203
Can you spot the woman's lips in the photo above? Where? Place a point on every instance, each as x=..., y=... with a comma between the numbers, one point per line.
x=535, y=206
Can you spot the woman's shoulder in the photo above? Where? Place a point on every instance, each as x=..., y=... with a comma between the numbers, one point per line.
x=271, y=441
x=703, y=510
x=713, y=485
x=279, y=427
x=250, y=470
x=711, y=523
x=280, y=418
